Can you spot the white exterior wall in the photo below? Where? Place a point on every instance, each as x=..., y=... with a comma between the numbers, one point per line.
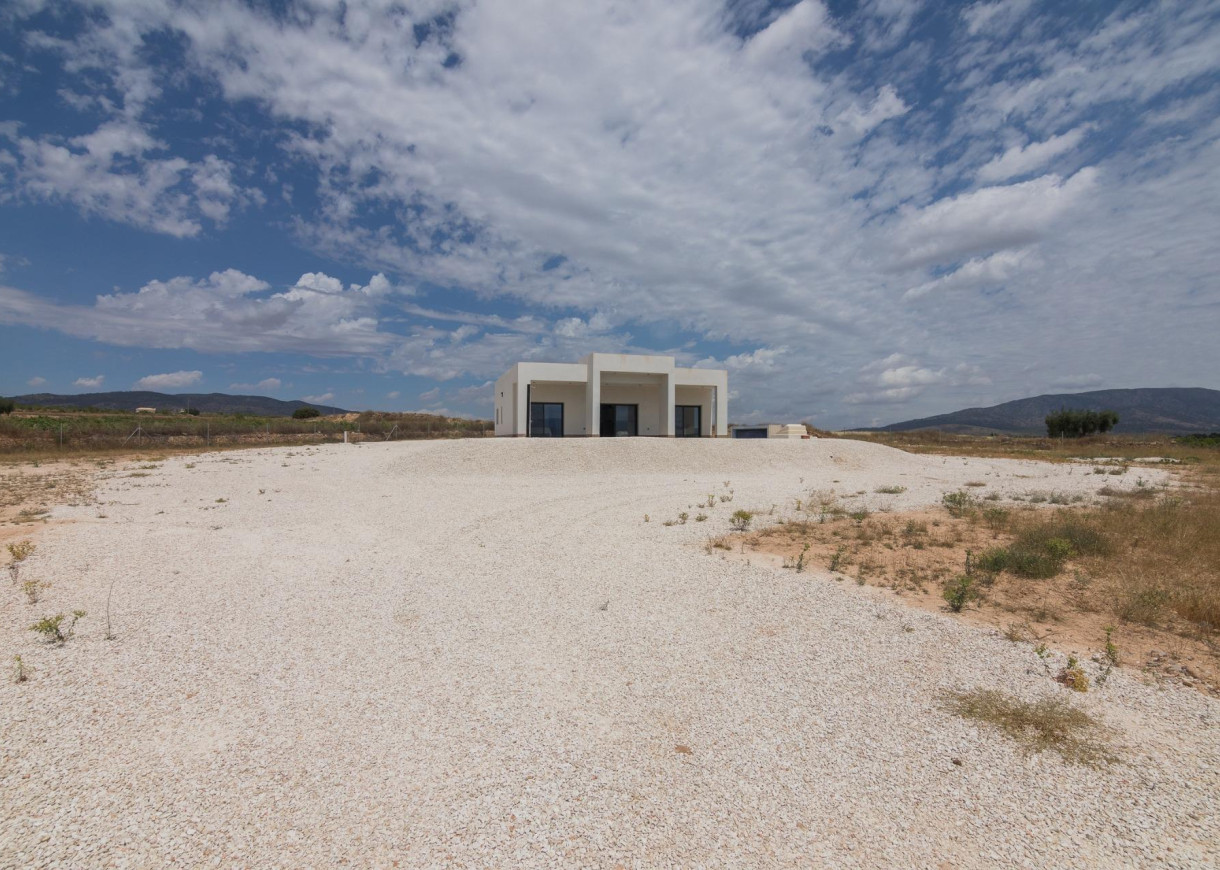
x=572, y=396
x=506, y=403
x=701, y=396
x=647, y=396
x=651, y=382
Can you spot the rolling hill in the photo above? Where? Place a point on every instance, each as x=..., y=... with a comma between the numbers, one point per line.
x=211, y=403
x=1154, y=409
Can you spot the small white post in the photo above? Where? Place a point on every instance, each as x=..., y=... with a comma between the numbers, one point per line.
x=344, y=436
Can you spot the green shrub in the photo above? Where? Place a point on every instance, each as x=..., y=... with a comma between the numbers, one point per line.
x=51, y=627
x=1077, y=424
x=306, y=413
x=959, y=592
x=7, y=406
x=741, y=520
x=993, y=561
x=958, y=503
x=995, y=517
x=1082, y=538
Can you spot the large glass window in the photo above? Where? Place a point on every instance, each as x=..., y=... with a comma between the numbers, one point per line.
x=619, y=420
x=546, y=419
x=688, y=420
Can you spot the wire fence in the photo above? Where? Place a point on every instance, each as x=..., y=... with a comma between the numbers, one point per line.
x=42, y=432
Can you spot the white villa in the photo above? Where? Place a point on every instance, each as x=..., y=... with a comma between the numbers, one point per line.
x=609, y=394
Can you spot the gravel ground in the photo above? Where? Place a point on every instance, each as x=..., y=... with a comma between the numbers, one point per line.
x=478, y=654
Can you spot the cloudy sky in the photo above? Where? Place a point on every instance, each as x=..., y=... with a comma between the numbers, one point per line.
x=866, y=211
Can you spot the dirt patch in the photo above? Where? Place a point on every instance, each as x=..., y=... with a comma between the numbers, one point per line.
x=29, y=490
x=914, y=554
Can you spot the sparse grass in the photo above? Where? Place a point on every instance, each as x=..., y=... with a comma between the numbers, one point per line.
x=959, y=503
x=1111, y=492
x=741, y=520
x=1037, y=726
x=720, y=543
x=1043, y=545
x=36, y=433
x=20, y=672
x=52, y=628
x=33, y=589
x=21, y=550
x=891, y=490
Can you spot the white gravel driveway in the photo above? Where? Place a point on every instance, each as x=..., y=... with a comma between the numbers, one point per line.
x=477, y=654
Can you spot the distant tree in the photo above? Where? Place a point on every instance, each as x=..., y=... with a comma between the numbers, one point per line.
x=1077, y=424
x=305, y=413
x=194, y=412
x=6, y=406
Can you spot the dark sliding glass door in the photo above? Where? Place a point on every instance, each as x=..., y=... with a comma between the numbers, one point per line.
x=546, y=419
x=688, y=420
x=619, y=420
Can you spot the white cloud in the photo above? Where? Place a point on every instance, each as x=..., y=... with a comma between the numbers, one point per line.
x=763, y=359
x=887, y=105
x=393, y=394
x=36, y=382
x=169, y=380
x=320, y=399
x=802, y=28
x=975, y=274
x=479, y=395
x=111, y=173
x=89, y=383
x=997, y=18
x=1024, y=159
x=989, y=219
x=265, y=385
x=228, y=311
x=898, y=378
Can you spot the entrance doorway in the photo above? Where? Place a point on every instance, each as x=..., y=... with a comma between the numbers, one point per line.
x=620, y=420
x=546, y=419
x=687, y=421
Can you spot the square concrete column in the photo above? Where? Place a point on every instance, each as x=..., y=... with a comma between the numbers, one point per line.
x=521, y=397
x=722, y=408
x=668, y=403
x=593, y=401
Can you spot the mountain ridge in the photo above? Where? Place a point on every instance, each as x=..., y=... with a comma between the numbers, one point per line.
x=1175, y=410
x=212, y=403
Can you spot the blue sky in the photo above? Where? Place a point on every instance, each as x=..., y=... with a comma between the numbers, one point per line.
x=865, y=211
